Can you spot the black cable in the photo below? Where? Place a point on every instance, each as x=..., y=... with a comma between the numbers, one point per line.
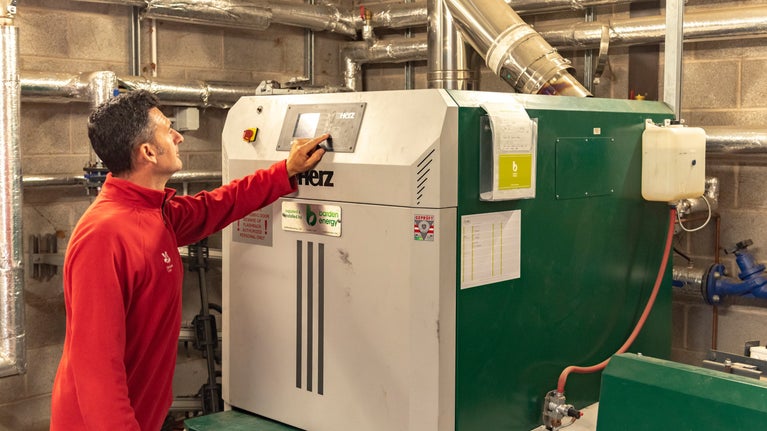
x=676, y=250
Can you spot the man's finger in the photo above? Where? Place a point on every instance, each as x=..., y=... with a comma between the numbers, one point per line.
x=313, y=143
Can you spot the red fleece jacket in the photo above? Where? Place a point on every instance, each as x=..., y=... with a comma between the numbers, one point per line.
x=122, y=289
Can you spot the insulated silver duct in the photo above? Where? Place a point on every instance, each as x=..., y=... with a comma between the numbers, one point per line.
x=724, y=142
x=54, y=87
x=203, y=94
x=94, y=87
x=252, y=15
x=101, y=86
x=512, y=49
x=393, y=15
x=523, y=7
x=448, y=65
x=98, y=86
x=381, y=51
x=720, y=23
x=12, y=347
x=398, y=15
x=79, y=180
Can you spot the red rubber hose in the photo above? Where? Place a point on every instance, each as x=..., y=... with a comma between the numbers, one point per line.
x=662, y=270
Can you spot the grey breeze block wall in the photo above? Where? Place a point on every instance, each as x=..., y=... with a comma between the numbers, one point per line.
x=723, y=86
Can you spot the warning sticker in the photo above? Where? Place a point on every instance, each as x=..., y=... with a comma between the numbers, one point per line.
x=255, y=228
x=423, y=227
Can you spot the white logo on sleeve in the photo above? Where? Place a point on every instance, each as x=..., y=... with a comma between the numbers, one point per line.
x=166, y=259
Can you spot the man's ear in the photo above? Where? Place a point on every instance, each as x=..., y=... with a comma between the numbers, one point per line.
x=146, y=153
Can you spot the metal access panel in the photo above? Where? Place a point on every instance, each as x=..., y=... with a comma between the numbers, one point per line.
x=390, y=296
x=643, y=393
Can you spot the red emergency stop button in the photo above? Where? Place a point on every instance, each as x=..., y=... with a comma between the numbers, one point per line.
x=249, y=135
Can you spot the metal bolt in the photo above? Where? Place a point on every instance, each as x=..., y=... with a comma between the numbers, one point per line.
x=716, y=298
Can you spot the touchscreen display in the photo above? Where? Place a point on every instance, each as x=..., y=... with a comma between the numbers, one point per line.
x=306, y=125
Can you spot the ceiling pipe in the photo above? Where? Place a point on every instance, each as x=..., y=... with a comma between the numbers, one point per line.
x=513, y=50
x=729, y=142
x=719, y=23
x=203, y=94
x=527, y=7
x=80, y=180
x=399, y=50
x=12, y=335
x=97, y=87
x=385, y=15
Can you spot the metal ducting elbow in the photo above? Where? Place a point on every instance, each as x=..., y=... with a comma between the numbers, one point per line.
x=513, y=50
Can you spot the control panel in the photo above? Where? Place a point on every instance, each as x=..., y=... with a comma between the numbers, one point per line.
x=341, y=120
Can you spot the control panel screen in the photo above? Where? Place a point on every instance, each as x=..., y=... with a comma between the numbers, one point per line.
x=306, y=125
x=341, y=120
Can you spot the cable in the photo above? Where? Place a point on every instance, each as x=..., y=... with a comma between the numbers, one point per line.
x=679, y=252
x=661, y=271
x=708, y=204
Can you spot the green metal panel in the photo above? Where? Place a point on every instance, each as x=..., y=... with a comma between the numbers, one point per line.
x=587, y=267
x=641, y=393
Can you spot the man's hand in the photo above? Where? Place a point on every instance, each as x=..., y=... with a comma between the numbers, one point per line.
x=305, y=154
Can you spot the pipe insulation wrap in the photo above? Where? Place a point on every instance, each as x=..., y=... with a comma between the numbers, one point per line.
x=101, y=87
x=54, y=87
x=706, y=24
x=194, y=93
x=252, y=15
x=243, y=15
x=733, y=142
x=12, y=352
x=323, y=17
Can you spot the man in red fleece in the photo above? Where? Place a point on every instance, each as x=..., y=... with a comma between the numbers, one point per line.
x=123, y=272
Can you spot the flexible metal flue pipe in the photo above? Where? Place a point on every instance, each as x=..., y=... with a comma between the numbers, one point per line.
x=448, y=62
x=12, y=346
x=512, y=49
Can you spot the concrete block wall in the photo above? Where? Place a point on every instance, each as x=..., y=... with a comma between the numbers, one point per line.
x=723, y=85
x=80, y=37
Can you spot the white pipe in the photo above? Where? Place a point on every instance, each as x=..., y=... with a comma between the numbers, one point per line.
x=153, y=48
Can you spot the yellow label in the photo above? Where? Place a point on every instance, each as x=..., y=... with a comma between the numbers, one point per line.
x=515, y=171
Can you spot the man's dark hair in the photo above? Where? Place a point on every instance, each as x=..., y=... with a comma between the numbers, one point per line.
x=118, y=125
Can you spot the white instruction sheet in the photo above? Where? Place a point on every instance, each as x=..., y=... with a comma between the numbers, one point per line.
x=490, y=248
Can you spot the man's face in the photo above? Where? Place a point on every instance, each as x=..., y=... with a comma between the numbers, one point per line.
x=166, y=141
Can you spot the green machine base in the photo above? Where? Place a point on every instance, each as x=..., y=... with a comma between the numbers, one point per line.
x=642, y=393
x=233, y=420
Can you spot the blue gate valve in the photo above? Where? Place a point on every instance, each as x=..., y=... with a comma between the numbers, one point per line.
x=752, y=284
